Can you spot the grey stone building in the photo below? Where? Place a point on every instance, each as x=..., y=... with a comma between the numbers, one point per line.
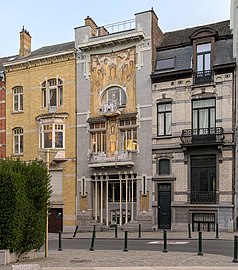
x=193, y=125
x=114, y=121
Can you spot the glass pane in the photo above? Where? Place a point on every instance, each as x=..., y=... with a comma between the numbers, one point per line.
x=161, y=107
x=168, y=123
x=203, y=119
x=16, y=144
x=212, y=118
x=207, y=61
x=21, y=102
x=200, y=63
x=203, y=47
x=60, y=96
x=160, y=124
x=58, y=139
x=44, y=98
x=53, y=97
x=21, y=143
x=47, y=140
x=164, y=167
x=15, y=103
x=195, y=117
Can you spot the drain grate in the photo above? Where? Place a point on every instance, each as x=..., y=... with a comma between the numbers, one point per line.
x=80, y=261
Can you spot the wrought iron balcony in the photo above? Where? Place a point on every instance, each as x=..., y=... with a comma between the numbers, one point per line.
x=202, y=136
x=202, y=77
x=203, y=197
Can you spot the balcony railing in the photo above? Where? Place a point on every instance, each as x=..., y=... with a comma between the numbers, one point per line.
x=202, y=135
x=202, y=77
x=120, y=26
x=203, y=197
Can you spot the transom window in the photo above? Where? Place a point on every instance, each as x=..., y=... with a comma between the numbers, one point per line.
x=204, y=116
x=17, y=98
x=52, y=136
x=114, y=97
x=164, y=119
x=52, y=93
x=17, y=141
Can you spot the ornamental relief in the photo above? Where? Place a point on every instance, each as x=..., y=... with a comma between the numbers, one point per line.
x=116, y=68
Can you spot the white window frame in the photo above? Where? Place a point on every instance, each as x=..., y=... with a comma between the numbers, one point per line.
x=47, y=87
x=18, y=141
x=17, y=93
x=52, y=129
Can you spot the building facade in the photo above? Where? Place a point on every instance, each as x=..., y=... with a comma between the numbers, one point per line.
x=114, y=62
x=193, y=128
x=40, y=109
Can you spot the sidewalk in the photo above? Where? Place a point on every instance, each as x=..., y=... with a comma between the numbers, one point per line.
x=132, y=260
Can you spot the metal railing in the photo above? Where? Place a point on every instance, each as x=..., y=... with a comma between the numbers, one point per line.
x=203, y=196
x=120, y=26
x=201, y=77
x=103, y=158
x=202, y=135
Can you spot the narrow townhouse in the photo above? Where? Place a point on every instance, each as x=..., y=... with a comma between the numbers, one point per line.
x=40, y=110
x=193, y=129
x=114, y=63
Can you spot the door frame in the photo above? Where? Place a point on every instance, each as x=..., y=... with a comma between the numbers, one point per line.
x=169, y=185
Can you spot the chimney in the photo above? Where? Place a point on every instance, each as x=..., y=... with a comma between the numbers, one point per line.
x=102, y=31
x=25, y=42
x=90, y=22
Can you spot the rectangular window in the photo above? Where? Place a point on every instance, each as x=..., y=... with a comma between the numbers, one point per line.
x=204, y=116
x=52, y=136
x=203, y=179
x=129, y=140
x=18, y=141
x=164, y=119
x=98, y=142
x=17, y=98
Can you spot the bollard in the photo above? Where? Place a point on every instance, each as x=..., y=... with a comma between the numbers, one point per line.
x=125, y=242
x=60, y=244
x=165, y=241
x=116, y=231
x=200, y=243
x=76, y=229
x=235, y=259
x=189, y=231
x=93, y=239
x=217, y=236
x=139, y=235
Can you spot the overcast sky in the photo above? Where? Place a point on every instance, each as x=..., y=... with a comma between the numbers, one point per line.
x=53, y=21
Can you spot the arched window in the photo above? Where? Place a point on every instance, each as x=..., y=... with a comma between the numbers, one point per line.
x=18, y=141
x=52, y=93
x=17, y=98
x=114, y=97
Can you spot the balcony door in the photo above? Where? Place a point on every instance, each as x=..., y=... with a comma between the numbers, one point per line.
x=204, y=117
x=203, y=179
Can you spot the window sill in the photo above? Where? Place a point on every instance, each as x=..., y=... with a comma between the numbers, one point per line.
x=17, y=155
x=17, y=112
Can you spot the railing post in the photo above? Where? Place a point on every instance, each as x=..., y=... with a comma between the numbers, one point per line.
x=189, y=231
x=200, y=243
x=116, y=231
x=165, y=241
x=93, y=238
x=217, y=231
x=139, y=235
x=60, y=242
x=235, y=259
x=75, y=232
x=125, y=242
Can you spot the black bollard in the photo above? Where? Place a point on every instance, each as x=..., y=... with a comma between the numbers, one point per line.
x=200, y=243
x=235, y=259
x=93, y=239
x=165, y=241
x=189, y=231
x=75, y=232
x=116, y=231
x=217, y=231
x=125, y=242
x=139, y=235
x=60, y=242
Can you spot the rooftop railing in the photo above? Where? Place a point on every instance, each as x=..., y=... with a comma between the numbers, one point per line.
x=120, y=26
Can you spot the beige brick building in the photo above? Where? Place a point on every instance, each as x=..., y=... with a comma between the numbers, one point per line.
x=40, y=109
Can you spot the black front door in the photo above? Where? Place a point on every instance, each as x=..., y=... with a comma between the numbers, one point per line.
x=164, y=206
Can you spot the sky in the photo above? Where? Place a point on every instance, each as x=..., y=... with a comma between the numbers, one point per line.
x=53, y=21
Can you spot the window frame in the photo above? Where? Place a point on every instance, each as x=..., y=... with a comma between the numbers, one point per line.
x=17, y=93
x=119, y=101
x=164, y=113
x=52, y=129
x=18, y=141
x=159, y=167
x=47, y=87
